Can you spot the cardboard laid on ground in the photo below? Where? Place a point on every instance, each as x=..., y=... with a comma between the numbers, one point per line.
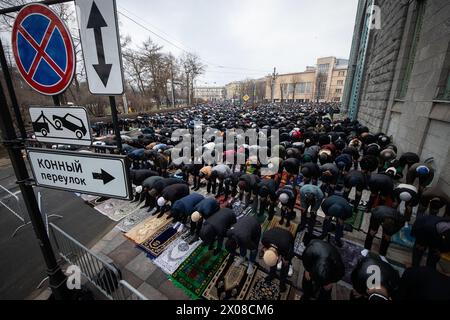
x=147, y=228
x=116, y=210
x=88, y=198
x=230, y=282
x=178, y=251
x=130, y=221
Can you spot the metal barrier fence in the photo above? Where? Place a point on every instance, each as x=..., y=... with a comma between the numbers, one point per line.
x=103, y=275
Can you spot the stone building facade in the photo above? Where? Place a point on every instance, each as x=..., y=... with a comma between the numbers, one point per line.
x=399, y=76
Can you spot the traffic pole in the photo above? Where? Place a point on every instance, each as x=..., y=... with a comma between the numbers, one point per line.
x=115, y=119
x=12, y=92
x=57, y=279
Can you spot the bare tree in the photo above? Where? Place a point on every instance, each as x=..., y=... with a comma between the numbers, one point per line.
x=192, y=67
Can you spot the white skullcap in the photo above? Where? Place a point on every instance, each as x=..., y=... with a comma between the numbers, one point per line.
x=161, y=201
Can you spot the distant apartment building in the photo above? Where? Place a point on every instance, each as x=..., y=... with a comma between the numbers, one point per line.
x=209, y=94
x=323, y=83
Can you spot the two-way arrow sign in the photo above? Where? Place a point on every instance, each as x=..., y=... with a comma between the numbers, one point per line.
x=97, y=22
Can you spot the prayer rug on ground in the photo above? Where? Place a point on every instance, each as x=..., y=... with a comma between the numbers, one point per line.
x=230, y=282
x=178, y=251
x=275, y=224
x=196, y=272
x=130, y=221
x=261, y=290
x=404, y=238
x=160, y=240
x=147, y=228
x=351, y=254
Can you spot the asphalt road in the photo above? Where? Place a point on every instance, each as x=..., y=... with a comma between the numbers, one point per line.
x=21, y=264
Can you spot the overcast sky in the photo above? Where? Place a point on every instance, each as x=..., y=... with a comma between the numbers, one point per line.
x=244, y=34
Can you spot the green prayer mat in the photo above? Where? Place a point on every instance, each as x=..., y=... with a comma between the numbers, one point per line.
x=356, y=220
x=197, y=271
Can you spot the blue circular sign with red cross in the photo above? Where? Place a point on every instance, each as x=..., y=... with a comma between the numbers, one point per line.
x=43, y=49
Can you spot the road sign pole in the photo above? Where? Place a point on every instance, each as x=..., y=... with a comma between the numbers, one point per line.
x=115, y=119
x=57, y=279
x=12, y=92
x=56, y=100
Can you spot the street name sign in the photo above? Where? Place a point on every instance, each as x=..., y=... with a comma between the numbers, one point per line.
x=89, y=173
x=97, y=22
x=43, y=49
x=68, y=125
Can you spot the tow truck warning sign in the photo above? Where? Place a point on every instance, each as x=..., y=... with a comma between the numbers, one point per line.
x=68, y=125
x=89, y=173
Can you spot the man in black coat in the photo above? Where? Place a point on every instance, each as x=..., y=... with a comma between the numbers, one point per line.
x=431, y=232
x=245, y=235
x=391, y=222
x=323, y=267
x=354, y=179
x=365, y=287
x=138, y=177
x=381, y=187
x=339, y=208
x=170, y=194
x=248, y=186
x=310, y=172
x=278, y=245
x=267, y=197
x=287, y=197
x=216, y=227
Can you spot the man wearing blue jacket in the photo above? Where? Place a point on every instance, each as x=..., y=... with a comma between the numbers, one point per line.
x=203, y=210
x=183, y=208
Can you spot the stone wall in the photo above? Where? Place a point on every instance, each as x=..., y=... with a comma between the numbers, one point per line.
x=419, y=121
x=382, y=53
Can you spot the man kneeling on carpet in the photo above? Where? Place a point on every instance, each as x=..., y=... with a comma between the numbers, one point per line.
x=171, y=194
x=203, y=210
x=245, y=234
x=278, y=247
x=216, y=228
x=323, y=268
x=183, y=208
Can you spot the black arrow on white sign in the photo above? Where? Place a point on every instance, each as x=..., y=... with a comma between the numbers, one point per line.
x=97, y=22
x=105, y=176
